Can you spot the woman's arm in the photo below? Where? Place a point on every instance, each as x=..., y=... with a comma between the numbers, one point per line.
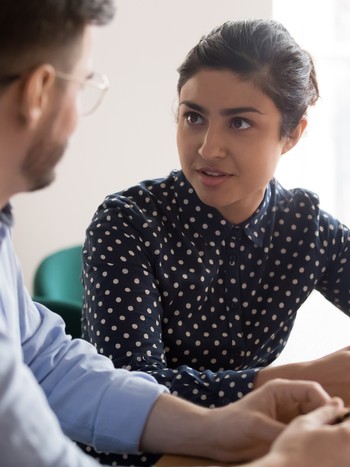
x=123, y=313
x=331, y=371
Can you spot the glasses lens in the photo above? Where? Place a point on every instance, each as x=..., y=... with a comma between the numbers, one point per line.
x=92, y=93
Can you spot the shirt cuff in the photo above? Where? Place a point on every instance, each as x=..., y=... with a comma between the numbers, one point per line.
x=124, y=411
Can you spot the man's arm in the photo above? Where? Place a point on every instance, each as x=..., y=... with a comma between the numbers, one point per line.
x=238, y=432
x=30, y=433
x=93, y=401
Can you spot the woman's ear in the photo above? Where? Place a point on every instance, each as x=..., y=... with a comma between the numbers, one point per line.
x=35, y=92
x=291, y=140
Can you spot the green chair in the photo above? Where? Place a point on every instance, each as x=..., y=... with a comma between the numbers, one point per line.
x=57, y=285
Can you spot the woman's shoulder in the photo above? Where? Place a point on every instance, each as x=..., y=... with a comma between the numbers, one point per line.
x=305, y=204
x=148, y=198
x=295, y=198
x=156, y=188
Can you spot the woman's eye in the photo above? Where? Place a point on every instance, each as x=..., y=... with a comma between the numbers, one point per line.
x=193, y=118
x=240, y=123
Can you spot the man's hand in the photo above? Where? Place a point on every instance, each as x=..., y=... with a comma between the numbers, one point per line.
x=312, y=441
x=245, y=429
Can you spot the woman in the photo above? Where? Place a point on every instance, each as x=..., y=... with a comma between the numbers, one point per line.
x=197, y=278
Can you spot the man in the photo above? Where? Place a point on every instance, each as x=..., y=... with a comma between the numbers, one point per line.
x=45, y=377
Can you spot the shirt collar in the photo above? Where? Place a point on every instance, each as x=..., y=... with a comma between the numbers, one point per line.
x=203, y=217
x=257, y=226
x=6, y=217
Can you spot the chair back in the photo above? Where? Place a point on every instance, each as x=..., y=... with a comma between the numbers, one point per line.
x=58, y=276
x=57, y=285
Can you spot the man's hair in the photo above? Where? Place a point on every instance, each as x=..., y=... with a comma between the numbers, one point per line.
x=29, y=28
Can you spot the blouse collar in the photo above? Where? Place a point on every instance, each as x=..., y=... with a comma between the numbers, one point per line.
x=203, y=217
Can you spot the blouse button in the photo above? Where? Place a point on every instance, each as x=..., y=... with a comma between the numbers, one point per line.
x=232, y=260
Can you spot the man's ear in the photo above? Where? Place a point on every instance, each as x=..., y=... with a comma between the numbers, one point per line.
x=291, y=140
x=35, y=93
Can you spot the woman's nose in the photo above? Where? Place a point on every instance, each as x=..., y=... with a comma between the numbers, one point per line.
x=213, y=145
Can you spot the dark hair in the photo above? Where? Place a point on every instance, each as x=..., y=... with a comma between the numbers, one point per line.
x=29, y=26
x=264, y=51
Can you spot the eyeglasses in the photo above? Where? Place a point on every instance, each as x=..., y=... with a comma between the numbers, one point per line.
x=92, y=89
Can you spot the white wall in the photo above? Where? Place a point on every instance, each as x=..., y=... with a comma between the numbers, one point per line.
x=320, y=161
x=132, y=136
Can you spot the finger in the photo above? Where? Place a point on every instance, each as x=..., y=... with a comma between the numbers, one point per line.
x=314, y=402
x=344, y=416
x=328, y=414
x=302, y=396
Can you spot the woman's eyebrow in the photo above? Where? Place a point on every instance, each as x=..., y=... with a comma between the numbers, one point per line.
x=224, y=112
x=239, y=110
x=193, y=106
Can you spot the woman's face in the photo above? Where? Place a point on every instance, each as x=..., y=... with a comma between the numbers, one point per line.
x=229, y=142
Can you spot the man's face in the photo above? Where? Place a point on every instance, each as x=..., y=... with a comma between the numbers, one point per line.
x=58, y=123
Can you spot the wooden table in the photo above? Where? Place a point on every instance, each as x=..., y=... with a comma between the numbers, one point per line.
x=186, y=461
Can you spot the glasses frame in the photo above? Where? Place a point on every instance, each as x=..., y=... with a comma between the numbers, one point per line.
x=102, y=83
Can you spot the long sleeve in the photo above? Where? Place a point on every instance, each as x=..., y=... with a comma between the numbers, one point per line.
x=30, y=433
x=126, y=313
x=93, y=401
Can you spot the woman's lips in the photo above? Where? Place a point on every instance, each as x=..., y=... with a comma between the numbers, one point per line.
x=212, y=177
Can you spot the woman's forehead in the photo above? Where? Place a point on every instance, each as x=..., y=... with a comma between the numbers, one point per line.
x=223, y=88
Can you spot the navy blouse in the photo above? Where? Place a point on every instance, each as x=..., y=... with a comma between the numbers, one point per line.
x=173, y=289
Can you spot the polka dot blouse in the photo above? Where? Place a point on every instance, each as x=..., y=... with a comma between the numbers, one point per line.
x=173, y=289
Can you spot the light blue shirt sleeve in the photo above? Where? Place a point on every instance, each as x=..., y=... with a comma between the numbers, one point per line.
x=30, y=433
x=94, y=403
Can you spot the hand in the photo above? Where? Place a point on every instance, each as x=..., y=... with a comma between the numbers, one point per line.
x=245, y=429
x=331, y=371
x=311, y=441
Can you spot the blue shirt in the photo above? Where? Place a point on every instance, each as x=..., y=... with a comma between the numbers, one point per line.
x=173, y=289
x=44, y=374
